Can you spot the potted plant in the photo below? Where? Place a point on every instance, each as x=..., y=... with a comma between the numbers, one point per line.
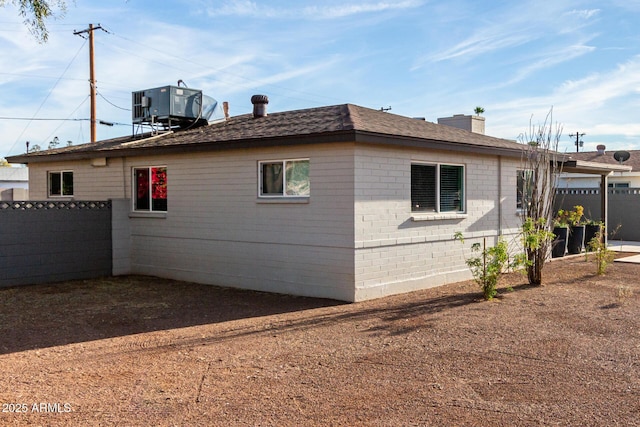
x=561, y=233
x=592, y=229
x=575, y=243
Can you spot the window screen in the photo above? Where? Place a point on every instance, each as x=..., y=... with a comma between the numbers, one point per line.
x=437, y=188
x=423, y=188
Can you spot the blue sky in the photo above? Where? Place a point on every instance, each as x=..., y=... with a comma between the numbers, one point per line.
x=422, y=58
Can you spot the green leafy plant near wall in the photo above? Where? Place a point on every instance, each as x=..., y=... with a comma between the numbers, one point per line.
x=488, y=265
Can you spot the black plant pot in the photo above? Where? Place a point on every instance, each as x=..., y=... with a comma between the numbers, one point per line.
x=590, y=231
x=559, y=246
x=576, y=239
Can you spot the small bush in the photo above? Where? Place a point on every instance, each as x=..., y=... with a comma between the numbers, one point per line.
x=489, y=265
x=603, y=255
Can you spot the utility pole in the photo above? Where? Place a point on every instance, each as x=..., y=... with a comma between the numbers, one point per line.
x=92, y=75
x=579, y=143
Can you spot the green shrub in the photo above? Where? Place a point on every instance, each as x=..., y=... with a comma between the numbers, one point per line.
x=488, y=266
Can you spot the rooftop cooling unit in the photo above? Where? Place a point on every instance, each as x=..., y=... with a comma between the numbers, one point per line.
x=171, y=106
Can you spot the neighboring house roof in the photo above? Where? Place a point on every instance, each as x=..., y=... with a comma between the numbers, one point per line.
x=607, y=158
x=14, y=174
x=338, y=123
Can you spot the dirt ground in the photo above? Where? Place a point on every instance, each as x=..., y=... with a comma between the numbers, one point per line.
x=146, y=351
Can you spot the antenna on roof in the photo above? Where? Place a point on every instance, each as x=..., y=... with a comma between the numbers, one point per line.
x=385, y=109
x=621, y=156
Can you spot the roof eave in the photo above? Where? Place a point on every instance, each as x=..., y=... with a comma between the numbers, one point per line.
x=580, y=166
x=375, y=138
x=351, y=135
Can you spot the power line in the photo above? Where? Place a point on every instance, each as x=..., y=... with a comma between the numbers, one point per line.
x=42, y=119
x=579, y=143
x=220, y=70
x=92, y=78
x=111, y=103
x=48, y=94
x=70, y=114
x=31, y=76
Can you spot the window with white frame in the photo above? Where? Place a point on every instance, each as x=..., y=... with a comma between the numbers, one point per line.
x=60, y=183
x=437, y=188
x=524, y=187
x=284, y=178
x=150, y=189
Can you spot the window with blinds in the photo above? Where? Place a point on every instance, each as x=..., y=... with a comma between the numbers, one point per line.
x=437, y=188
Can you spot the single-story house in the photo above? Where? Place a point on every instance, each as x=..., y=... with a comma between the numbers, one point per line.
x=14, y=183
x=619, y=179
x=339, y=202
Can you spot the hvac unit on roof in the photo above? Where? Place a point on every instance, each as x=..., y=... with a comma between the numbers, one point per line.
x=171, y=106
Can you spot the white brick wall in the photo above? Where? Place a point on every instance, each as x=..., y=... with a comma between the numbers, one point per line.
x=354, y=239
x=396, y=254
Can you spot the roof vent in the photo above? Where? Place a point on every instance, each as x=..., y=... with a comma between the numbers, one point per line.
x=259, y=105
x=601, y=149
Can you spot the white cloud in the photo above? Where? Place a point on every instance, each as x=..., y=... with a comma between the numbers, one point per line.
x=544, y=60
x=340, y=10
x=595, y=104
x=347, y=9
x=584, y=13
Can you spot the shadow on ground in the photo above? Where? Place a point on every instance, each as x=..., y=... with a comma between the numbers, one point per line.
x=41, y=316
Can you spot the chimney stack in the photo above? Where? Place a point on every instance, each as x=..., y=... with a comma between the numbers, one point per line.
x=601, y=148
x=469, y=123
x=259, y=105
x=225, y=109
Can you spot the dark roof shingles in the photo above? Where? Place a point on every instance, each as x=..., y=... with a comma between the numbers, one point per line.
x=607, y=158
x=313, y=121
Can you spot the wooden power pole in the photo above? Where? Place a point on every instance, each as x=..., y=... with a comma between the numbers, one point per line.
x=92, y=76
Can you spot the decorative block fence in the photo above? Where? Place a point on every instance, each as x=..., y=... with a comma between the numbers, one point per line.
x=624, y=205
x=49, y=241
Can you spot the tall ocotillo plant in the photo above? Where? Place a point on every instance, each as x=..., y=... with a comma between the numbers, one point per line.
x=541, y=163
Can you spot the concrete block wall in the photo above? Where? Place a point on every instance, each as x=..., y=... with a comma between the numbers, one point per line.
x=121, y=236
x=624, y=205
x=218, y=231
x=397, y=250
x=46, y=242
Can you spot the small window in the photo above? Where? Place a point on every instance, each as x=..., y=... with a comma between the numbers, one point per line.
x=437, y=188
x=618, y=185
x=524, y=188
x=61, y=184
x=284, y=178
x=150, y=189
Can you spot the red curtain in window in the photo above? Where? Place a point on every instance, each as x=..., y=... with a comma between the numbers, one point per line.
x=159, y=183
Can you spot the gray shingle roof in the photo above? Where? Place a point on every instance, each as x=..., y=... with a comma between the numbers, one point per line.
x=607, y=158
x=342, y=123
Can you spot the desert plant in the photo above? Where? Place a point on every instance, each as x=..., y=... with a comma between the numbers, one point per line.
x=541, y=158
x=488, y=266
x=602, y=254
x=535, y=235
